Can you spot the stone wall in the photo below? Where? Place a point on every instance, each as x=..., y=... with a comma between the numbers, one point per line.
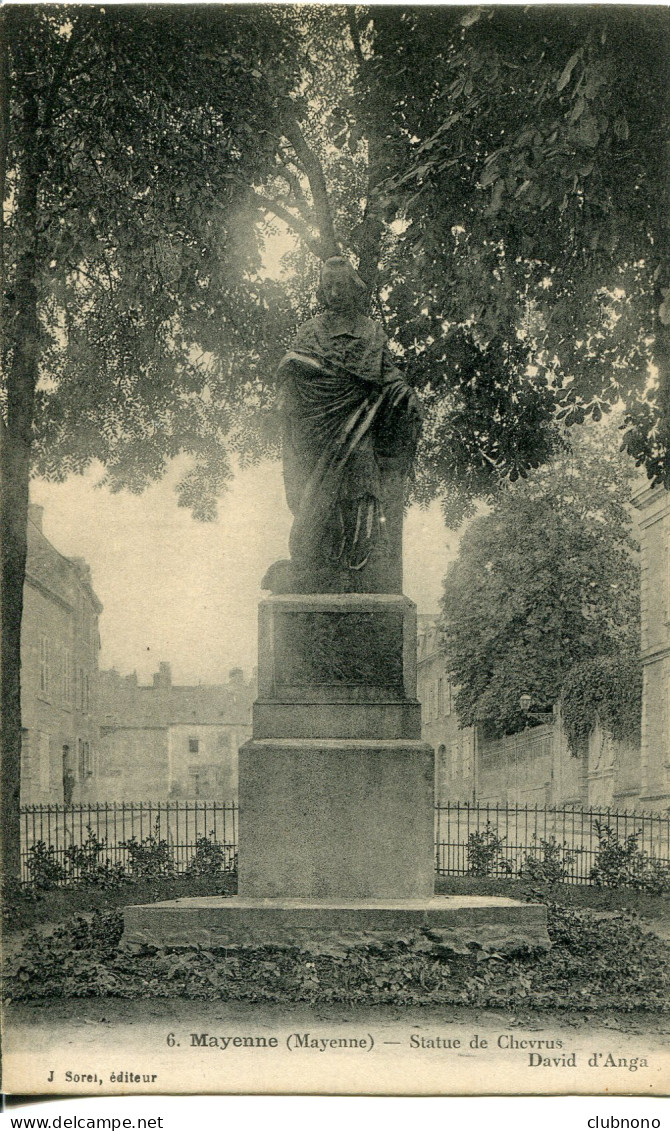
x=653, y=505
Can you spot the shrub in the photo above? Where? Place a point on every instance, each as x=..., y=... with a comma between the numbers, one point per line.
x=622, y=863
x=151, y=856
x=88, y=864
x=210, y=857
x=44, y=868
x=485, y=853
x=548, y=862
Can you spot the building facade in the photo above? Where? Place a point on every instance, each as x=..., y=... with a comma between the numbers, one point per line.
x=167, y=741
x=60, y=644
x=653, y=507
x=455, y=746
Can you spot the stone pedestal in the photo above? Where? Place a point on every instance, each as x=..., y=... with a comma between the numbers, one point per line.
x=336, y=787
x=336, y=799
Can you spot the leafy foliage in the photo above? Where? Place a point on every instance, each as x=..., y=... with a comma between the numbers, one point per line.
x=547, y=581
x=623, y=863
x=499, y=177
x=526, y=151
x=548, y=863
x=153, y=315
x=486, y=853
x=209, y=857
x=151, y=856
x=44, y=868
x=89, y=865
x=608, y=689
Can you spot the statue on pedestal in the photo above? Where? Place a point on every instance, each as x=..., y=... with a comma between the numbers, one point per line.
x=350, y=426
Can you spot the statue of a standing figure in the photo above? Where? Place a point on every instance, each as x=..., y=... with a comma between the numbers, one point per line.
x=350, y=429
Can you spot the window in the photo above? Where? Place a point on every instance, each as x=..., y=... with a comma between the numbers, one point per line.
x=87, y=689
x=85, y=760
x=448, y=699
x=44, y=664
x=193, y=745
x=442, y=765
x=26, y=760
x=67, y=677
x=45, y=762
x=454, y=759
x=82, y=690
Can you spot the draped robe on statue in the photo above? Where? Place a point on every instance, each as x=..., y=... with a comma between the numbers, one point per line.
x=350, y=427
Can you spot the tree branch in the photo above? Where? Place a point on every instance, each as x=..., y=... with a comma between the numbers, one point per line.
x=317, y=183
x=355, y=38
x=76, y=35
x=296, y=188
x=294, y=222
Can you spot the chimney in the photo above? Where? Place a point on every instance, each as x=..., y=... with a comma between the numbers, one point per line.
x=163, y=677
x=236, y=677
x=36, y=514
x=83, y=569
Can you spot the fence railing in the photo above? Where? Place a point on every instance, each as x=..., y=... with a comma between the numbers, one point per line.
x=69, y=843
x=498, y=840
x=162, y=837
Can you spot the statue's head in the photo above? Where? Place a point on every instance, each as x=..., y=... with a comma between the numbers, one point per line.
x=340, y=287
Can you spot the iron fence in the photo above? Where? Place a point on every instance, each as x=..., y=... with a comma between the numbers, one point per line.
x=147, y=838
x=499, y=840
x=176, y=837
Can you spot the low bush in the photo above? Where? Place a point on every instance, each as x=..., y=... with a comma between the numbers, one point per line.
x=151, y=856
x=209, y=858
x=622, y=863
x=44, y=868
x=548, y=862
x=486, y=855
x=25, y=907
x=88, y=864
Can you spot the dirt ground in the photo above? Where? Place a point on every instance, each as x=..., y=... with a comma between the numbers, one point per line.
x=99, y=1047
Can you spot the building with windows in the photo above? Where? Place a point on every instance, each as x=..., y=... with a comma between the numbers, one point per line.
x=165, y=741
x=454, y=746
x=653, y=506
x=60, y=643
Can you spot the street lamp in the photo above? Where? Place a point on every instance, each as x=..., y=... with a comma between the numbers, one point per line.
x=525, y=701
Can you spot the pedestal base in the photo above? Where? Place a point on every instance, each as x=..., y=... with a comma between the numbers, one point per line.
x=446, y=923
x=336, y=819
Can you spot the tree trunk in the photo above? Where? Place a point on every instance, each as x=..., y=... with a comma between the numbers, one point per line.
x=23, y=338
x=15, y=479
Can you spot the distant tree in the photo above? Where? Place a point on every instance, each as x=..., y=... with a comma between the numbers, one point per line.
x=545, y=583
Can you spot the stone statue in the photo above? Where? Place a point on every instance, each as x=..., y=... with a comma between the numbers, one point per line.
x=350, y=428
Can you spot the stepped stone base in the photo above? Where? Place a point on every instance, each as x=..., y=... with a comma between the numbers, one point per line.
x=455, y=924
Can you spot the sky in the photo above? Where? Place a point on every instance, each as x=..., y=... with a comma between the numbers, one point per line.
x=187, y=592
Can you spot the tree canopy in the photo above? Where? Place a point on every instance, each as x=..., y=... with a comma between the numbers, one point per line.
x=527, y=158
x=497, y=175
x=544, y=586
